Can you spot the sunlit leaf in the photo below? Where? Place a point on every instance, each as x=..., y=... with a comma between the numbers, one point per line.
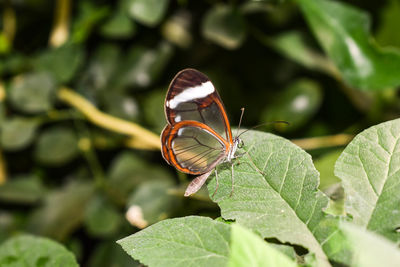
x=247, y=249
x=369, y=249
x=276, y=194
x=56, y=145
x=147, y=12
x=26, y=250
x=342, y=31
x=369, y=170
x=189, y=241
x=225, y=26
x=33, y=92
x=18, y=132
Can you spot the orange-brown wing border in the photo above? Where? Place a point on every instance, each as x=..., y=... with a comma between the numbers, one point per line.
x=170, y=132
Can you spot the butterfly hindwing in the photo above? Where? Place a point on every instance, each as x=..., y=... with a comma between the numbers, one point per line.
x=192, y=147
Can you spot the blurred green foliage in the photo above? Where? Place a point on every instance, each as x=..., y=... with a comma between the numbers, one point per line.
x=313, y=63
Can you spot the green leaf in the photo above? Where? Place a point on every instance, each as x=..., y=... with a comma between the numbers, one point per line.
x=296, y=104
x=325, y=165
x=279, y=198
x=189, y=241
x=153, y=106
x=387, y=33
x=342, y=31
x=119, y=25
x=33, y=92
x=89, y=15
x=120, y=105
x=369, y=249
x=369, y=171
x=62, y=212
x=18, y=132
x=102, y=217
x=225, y=26
x=110, y=254
x=62, y=62
x=247, y=249
x=151, y=202
x=22, y=189
x=26, y=250
x=147, y=12
x=101, y=68
x=141, y=66
x=292, y=45
x=127, y=171
x=56, y=146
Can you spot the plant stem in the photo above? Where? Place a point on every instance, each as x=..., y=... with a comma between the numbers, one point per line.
x=323, y=141
x=60, y=31
x=139, y=137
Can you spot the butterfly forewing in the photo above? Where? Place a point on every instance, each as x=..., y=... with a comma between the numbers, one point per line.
x=192, y=96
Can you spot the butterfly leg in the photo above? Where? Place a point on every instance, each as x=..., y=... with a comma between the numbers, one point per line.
x=254, y=165
x=217, y=184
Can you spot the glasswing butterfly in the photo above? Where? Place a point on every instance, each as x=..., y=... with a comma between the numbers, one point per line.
x=198, y=135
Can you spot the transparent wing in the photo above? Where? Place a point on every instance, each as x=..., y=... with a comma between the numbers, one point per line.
x=192, y=96
x=192, y=147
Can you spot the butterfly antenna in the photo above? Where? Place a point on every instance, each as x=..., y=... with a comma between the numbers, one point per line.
x=263, y=124
x=240, y=122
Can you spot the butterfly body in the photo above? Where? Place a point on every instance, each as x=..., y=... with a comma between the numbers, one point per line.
x=198, y=135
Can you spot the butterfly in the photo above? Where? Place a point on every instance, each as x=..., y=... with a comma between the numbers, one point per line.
x=198, y=135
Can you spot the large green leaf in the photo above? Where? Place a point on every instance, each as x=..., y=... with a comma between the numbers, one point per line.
x=276, y=194
x=342, y=31
x=247, y=249
x=369, y=170
x=26, y=250
x=369, y=249
x=189, y=241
